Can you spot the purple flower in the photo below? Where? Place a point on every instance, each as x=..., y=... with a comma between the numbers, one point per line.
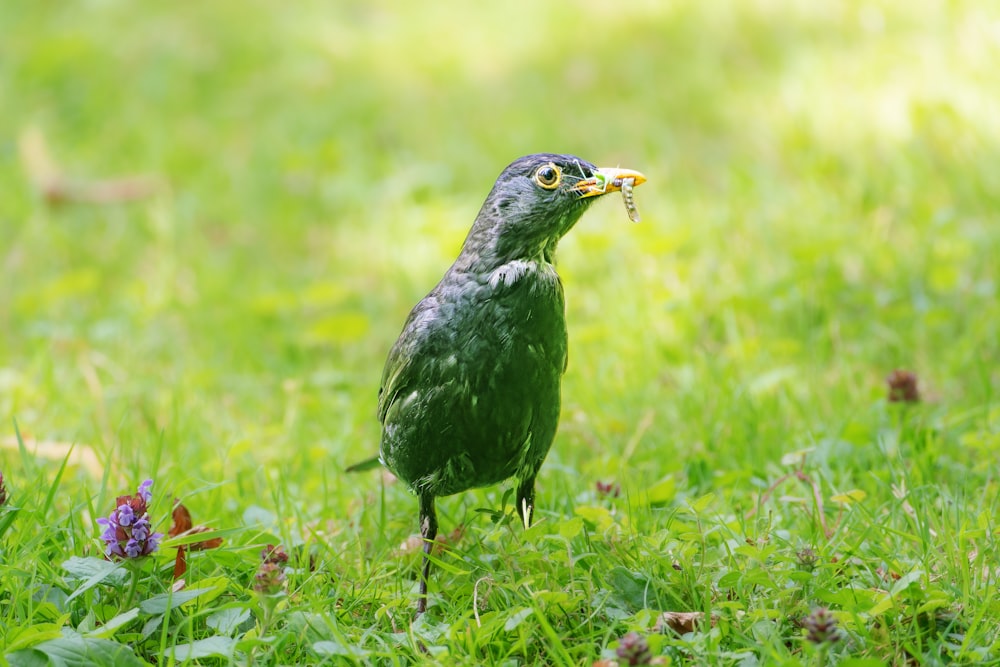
x=140, y=529
x=127, y=532
x=125, y=515
x=133, y=548
x=110, y=529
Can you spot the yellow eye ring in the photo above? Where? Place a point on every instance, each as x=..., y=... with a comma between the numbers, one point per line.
x=548, y=176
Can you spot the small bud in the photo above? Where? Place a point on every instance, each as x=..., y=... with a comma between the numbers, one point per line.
x=270, y=579
x=821, y=627
x=608, y=489
x=633, y=649
x=903, y=387
x=807, y=558
x=274, y=554
x=3, y=492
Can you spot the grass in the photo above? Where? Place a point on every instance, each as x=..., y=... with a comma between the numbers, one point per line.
x=821, y=210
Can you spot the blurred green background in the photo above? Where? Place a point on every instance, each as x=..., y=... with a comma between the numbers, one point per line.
x=821, y=209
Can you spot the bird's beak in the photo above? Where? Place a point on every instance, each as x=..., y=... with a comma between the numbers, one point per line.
x=605, y=180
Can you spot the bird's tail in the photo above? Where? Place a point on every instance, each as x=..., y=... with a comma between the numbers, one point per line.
x=362, y=466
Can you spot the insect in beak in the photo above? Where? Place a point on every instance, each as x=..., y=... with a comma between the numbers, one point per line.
x=612, y=179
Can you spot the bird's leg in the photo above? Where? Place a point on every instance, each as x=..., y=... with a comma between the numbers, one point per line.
x=428, y=531
x=526, y=500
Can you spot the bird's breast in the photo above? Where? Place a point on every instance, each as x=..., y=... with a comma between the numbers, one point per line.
x=521, y=303
x=477, y=398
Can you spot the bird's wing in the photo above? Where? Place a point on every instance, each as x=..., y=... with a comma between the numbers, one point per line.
x=393, y=380
x=396, y=376
x=398, y=373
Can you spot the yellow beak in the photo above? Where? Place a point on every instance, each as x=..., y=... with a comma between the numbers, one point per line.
x=607, y=179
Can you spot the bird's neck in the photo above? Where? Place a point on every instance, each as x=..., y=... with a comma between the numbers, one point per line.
x=485, y=250
x=487, y=259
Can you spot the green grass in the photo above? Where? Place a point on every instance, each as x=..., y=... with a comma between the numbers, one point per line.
x=822, y=208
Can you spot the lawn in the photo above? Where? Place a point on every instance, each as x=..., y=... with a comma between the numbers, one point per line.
x=215, y=216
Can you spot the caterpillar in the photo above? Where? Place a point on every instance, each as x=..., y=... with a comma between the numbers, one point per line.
x=633, y=212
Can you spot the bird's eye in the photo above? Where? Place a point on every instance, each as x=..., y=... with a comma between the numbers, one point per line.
x=548, y=176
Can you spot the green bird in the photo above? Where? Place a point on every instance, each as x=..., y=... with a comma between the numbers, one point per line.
x=470, y=394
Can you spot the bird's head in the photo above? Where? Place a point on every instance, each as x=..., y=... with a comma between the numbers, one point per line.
x=535, y=201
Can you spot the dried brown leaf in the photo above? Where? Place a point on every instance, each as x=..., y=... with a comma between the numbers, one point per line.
x=681, y=622
x=180, y=563
x=183, y=525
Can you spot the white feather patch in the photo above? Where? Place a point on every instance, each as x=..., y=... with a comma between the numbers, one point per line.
x=511, y=272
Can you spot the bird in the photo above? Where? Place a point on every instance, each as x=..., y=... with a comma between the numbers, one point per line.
x=470, y=393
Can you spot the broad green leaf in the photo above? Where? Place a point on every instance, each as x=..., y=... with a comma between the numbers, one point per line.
x=730, y=579
x=327, y=647
x=25, y=658
x=516, y=618
x=931, y=605
x=73, y=650
x=904, y=581
x=571, y=528
x=151, y=626
x=159, y=604
x=634, y=588
x=228, y=620
x=848, y=599
x=758, y=576
x=98, y=570
x=89, y=622
x=883, y=605
x=218, y=586
x=221, y=647
x=29, y=635
x=85, y=568
x=599, y=517
x=312, y=627
x=663, y=492
x=108, y=629
x=698, y=506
